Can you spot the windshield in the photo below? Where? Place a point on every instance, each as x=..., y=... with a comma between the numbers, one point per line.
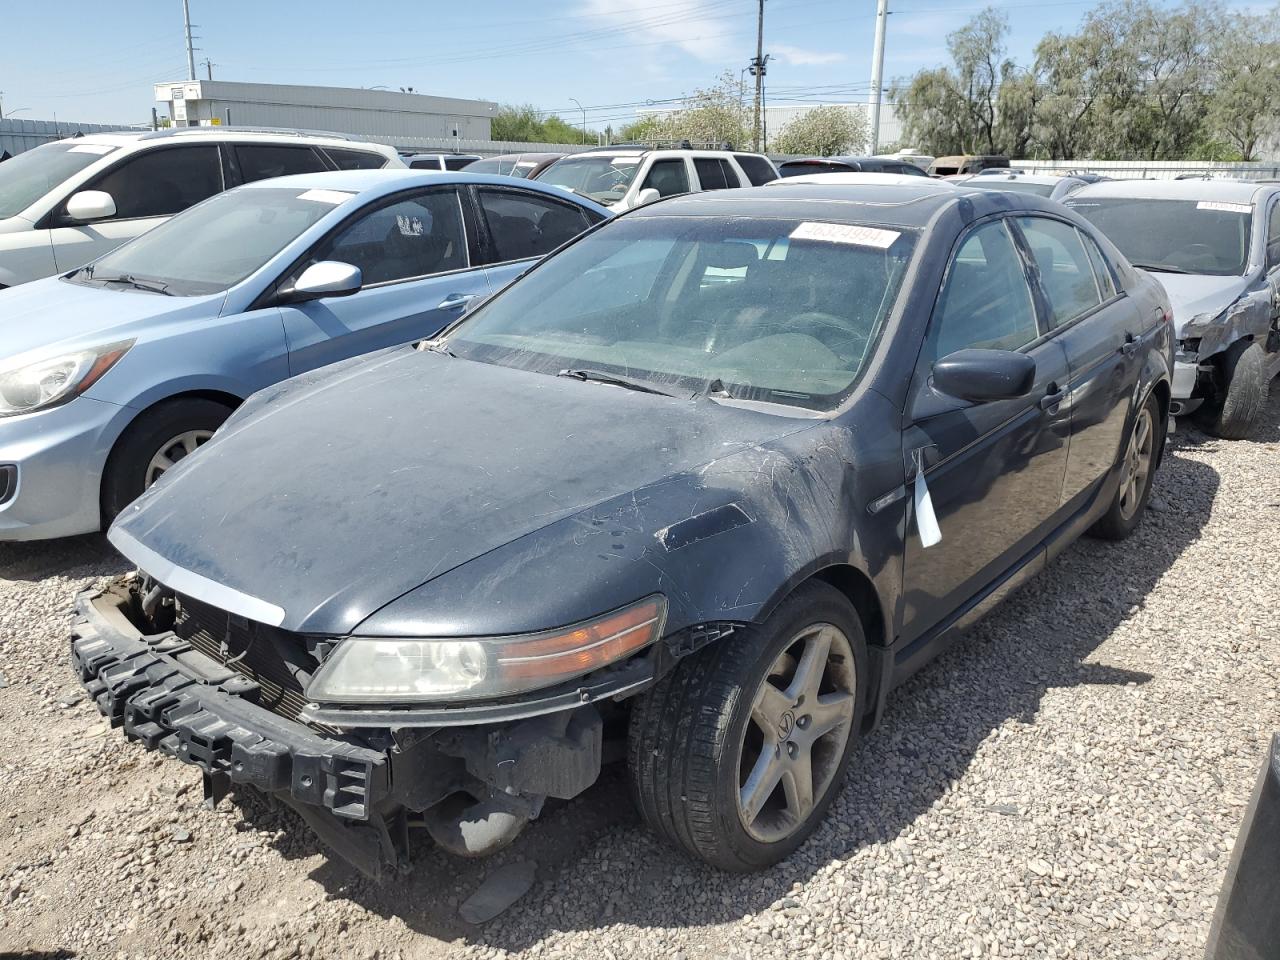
x=216, y=244
x=782, y=311
x=26, y=178
x=1180, y=236
x=604, y=179
x=1013, y=186
x=506, y=166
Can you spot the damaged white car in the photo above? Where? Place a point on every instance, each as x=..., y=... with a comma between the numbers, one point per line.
x=1215, y=245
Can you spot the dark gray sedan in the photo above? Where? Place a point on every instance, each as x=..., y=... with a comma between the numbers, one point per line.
x=700, y=489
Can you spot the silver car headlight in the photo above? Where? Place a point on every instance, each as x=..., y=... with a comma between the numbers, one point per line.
x=376, y=670
x=30, y=385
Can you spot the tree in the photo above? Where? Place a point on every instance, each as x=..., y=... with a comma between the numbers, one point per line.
x=1244, y=107
x=714, y=115
x=525, y=124
x=824, y=131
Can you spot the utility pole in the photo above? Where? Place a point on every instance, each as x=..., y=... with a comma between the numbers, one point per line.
x=208, y=66
x=877, y=73
x=191, y=52
x=757, y=70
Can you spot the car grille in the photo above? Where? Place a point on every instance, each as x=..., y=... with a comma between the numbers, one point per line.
x=246, y=647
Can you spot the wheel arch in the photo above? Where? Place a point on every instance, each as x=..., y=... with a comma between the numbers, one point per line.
x=861, y=593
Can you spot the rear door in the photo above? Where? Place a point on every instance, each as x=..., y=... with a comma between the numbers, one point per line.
x=262, y=161
x=521, y=226
x=148, y=188
x=1100, y=329
x=994, y=470
x=418, y=272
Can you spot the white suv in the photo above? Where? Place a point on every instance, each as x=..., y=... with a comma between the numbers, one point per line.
x=623, y=177
x=69, y=202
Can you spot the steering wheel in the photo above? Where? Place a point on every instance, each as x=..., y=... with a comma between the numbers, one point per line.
x=824, y=325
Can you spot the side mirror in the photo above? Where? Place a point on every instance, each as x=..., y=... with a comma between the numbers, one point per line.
x=647, y=195
x=328, y=278
x=981, y=375
x=89, y=205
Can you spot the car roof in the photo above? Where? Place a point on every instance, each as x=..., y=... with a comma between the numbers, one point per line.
x=393, y=179
x=125, y=138
x=913, y=204
x=1000, y=173
x=853, y=177
x=524, y=156
x=1237, y=191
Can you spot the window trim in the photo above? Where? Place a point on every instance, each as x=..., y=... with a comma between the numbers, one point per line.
x=57, y=218
x=270, y=293
x=482, y=221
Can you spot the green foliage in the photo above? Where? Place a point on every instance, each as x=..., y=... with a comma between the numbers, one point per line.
x=525, y=124
x=1135, y=81
x=714, y=115
x=824, y=131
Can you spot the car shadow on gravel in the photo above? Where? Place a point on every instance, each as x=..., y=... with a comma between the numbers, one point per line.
x=599, y=867
x=89, y=556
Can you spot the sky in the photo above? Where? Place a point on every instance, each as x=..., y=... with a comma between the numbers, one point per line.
x=96, y=62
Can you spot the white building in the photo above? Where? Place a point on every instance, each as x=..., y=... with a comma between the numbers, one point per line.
x=381, y=114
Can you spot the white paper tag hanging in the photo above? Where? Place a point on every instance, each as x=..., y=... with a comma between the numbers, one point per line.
x=926, y=520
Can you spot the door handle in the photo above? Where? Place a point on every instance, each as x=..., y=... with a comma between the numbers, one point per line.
x=1130, y=346
x=455, y=300
x=1052, y=398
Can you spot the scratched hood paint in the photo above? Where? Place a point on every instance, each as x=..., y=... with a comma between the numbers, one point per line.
x=337, y=496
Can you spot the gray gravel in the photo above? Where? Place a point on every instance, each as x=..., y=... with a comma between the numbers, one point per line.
x=1065, y=782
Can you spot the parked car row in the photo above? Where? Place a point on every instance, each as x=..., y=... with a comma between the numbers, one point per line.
x=443, y=487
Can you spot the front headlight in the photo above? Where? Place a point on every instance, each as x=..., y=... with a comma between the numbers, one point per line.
x=372, y=670
x=27, y=386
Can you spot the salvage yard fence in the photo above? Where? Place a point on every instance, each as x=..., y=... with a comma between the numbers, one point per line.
x=1155, y=169
x=17, y=135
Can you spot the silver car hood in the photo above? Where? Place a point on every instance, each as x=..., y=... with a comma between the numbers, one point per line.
x=1195, y=295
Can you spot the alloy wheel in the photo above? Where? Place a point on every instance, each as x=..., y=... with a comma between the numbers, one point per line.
x=792, y=744
x=183, y=445
x=1137, y=463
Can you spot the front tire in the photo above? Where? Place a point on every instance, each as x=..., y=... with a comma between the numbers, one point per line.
x=1137, y=474
x=736, y=755
x=1232, y=414
x=156, y=440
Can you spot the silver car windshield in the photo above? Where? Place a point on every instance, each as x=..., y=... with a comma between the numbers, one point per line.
x=775, y=310
x=26, y=178
x=1206, y=237
x=603, y=178
x=217, y=243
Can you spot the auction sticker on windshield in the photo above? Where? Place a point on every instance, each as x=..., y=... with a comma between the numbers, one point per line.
x=326, y=196
x=1224, y=206
x=846, y=233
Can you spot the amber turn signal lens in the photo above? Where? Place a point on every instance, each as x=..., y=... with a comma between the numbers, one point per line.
x=584, y=648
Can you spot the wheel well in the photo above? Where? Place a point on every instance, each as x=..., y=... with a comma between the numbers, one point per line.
x=859, y=590
x=1164, y=395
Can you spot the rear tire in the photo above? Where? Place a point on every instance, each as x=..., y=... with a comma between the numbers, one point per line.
x=708, y=740
x=1232, y=414
x=174, y=426
x=1138, y=461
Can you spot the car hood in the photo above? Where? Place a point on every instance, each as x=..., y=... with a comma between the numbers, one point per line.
x=339, y=496
x=46, y=315
x=1192, y=295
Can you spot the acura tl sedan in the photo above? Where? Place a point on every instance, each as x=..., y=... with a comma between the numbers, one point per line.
x=112, y=373
x=698, y=490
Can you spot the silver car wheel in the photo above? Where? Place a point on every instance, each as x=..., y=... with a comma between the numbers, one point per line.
x=183, y=445
x=1137, y=463
x=792, y=745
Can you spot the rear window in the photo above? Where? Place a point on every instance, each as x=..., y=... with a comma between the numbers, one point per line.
x=458, y=163
x=758, y=170
x=356, y=159
x=264, y=161
x=800, y=168
x=714, y=173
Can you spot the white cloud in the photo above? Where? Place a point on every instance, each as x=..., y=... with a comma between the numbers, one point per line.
x=800, y=57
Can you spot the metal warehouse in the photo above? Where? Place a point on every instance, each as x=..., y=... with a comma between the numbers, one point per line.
x=368, y=113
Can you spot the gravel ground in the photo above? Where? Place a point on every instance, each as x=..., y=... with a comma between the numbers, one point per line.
x=1066, y=781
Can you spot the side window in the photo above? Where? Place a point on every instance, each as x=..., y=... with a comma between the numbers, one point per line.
x=413, y=237
x=162, y=182
x=711, y=173
x=758, y=170
x=1066, y=273
x=525, y=225
x=262, y=161
x=985, y=301
x=1101, y=268
x=356, y=159
x=1273, y=236
x=668, y=177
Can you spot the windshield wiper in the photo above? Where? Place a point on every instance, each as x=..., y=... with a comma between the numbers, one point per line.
x=616, y=379
x=151, y=286
x=1159, y=268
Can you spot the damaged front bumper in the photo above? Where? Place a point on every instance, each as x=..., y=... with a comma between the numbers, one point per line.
x=472, y=787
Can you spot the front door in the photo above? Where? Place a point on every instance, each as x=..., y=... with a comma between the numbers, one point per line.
x=417, y=273
x=994, y=470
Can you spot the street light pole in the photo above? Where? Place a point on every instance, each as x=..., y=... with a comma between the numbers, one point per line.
x=877, y=73
x=191, y=53
x=584, y=120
